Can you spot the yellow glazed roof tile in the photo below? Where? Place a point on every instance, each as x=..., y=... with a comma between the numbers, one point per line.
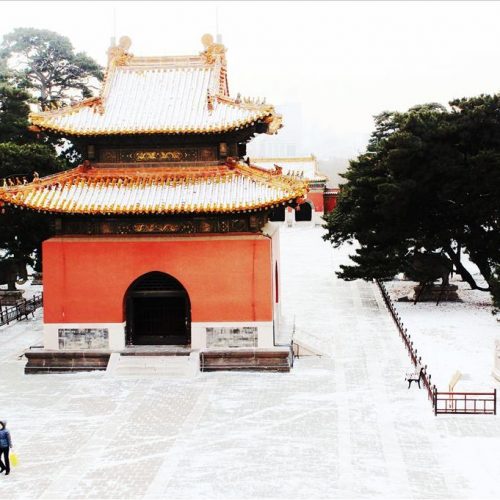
x=307, y=167
x=222, y=189
x=160, y=95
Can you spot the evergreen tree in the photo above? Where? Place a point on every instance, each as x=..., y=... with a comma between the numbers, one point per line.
x=429, y=180
x=45, y=64
x=13, y=114
x=35, y=66
x=22, y=232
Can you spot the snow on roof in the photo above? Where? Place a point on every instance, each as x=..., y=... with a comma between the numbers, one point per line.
x=160, y=190
x=161, y=95
x=308, y=166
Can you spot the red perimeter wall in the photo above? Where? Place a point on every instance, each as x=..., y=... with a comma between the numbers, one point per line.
x=227, y=278
x=330, y=201
x=317, y=198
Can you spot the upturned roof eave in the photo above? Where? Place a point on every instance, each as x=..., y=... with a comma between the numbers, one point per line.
x=43, y=126
x=37, y=195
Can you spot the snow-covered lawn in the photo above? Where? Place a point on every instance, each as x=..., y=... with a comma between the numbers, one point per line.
x=452, y=336
x=340, y=426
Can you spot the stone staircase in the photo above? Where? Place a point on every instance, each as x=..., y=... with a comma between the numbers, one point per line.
x=139, y=364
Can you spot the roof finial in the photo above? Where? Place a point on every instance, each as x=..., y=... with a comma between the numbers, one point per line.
x=213, y=50
x=207, y=40
x=125, y=43
x=118, y=54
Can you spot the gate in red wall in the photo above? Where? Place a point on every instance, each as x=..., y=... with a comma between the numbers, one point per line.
x=158, y=311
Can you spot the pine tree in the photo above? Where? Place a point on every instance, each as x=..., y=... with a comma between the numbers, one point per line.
x=429, y=181
x=45, y=64
x=36, y=66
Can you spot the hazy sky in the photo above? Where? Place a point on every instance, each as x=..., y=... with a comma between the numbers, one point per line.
x=342, y=62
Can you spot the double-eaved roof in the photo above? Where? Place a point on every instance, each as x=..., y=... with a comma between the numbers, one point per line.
x=227, y=188
x=160, y=95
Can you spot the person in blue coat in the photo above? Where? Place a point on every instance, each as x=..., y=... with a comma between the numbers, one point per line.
x=5, y=445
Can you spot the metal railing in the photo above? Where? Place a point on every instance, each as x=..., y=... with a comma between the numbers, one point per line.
x=465, y=402
x=442, y=402
x=21, y=310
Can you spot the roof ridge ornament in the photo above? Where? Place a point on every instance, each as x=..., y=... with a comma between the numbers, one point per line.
x=118, y=55
x=128, y=76
x=213, y=51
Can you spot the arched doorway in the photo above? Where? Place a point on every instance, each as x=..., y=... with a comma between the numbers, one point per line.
x=303, y=212
x=157, y=311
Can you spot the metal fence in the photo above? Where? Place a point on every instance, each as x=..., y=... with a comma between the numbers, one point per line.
x=21, y=310
x=442, y=402
x=465, y=402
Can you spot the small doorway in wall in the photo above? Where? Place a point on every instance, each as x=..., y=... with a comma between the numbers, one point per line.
x=277, y=214
x=303, y=212
x=158, y=311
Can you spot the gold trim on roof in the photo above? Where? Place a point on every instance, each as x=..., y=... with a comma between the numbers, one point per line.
x=232, y=187
x=213, y=51
x=38, y=120
x=189, y=119
x=118, y=55
x=285, y=161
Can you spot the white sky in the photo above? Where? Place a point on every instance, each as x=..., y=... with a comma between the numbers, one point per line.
x=343, y=62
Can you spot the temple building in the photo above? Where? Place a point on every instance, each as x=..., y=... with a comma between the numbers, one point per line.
x=162, y=236
x=319, y=200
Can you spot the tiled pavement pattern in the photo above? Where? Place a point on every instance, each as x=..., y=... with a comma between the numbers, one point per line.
x=343, y=425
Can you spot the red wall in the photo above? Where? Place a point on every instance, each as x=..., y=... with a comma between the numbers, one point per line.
x=227, y=278
x=330, y=201
x=317, y=198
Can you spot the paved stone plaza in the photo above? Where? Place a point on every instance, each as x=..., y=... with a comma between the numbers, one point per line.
x=343, y=425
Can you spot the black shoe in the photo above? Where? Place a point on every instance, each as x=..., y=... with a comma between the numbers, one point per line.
x=7, y=473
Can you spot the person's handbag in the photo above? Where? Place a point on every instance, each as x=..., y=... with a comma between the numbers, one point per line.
x=14, y=460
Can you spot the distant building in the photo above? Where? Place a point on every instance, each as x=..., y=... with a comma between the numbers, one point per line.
x=319, y=199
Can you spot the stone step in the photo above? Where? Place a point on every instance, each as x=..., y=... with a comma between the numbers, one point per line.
x=157, y=365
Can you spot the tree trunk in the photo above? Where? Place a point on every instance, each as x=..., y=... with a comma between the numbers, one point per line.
x=466, y=276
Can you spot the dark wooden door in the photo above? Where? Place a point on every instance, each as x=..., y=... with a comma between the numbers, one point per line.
x=303, y=212
x=158, y=311
x=159, y=320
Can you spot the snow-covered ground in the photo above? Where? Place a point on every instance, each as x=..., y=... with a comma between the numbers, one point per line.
x=452, y=336
x=343, y=425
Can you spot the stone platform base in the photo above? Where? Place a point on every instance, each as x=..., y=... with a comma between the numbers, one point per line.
x=47, y=361
x=277, y=359
x=10, y=297
x=434, y=293
x=41, y=360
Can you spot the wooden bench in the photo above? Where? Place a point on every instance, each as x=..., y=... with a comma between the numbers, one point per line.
x=415, y=376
